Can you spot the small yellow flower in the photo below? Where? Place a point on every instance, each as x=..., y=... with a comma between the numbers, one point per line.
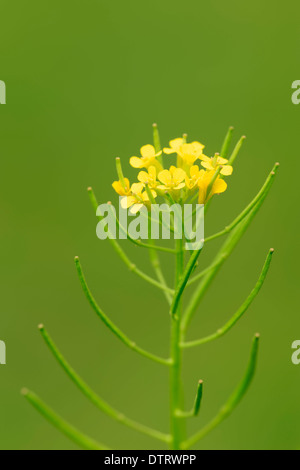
x=216, y=161
x=188, y=153
x=204, y=180
x=148, y=158
x=175, y=146
x=137, y=199
x=192, y=181
x=172, y=179
x=148, y=178
x=118, y=187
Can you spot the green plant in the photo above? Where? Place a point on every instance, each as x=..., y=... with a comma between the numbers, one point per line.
x=180, y=184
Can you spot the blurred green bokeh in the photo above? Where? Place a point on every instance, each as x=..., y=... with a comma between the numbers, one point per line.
x=85, y=81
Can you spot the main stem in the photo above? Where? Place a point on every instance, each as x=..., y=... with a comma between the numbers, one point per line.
x=177, y=422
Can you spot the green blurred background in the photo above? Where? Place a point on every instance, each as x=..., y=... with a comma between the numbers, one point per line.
x=85, y=81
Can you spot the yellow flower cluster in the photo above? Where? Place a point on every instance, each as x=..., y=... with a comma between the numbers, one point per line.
x=181, y=182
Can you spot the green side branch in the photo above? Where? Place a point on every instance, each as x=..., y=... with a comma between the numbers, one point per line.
x=236, y=150
x=247, y=209
x=71, y=432
x=197, y=403
x=131, y=266
x=240, y=312
x=138, y=242
x=226, y=249
x=233, y=400
x=226, y=143
x=110, y=325
x=154, y=259
x=93, y=397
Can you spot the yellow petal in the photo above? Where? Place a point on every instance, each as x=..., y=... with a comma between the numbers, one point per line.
x=221, y=161
x=147, y=151
x=165, y=177
x=136, y=162
x=207, y=165
x=219, y=186
x=168, y=151
x=176, y=143
x=152, y=172
x=178, y=175
x=127, y=184
x=202, y=195
x=143, y=176
x=198, y=147
x=162, y=187
x=172, y=169
x=127, y=201
x=205, y=158
x=180, y=186
x=137, y=188
x=226, y=170
x=194, y=170
x=135, y=208
x=118, y=187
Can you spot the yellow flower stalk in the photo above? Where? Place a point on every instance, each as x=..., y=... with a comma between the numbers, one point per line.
x=178, y=183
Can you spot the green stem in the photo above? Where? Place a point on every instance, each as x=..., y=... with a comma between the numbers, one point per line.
x=93, y=397
x=158, y=271
x=233, y=401
x=113, y=328
x=182, y=282
x=221, y=331
x=72, y=433
x=177, y=424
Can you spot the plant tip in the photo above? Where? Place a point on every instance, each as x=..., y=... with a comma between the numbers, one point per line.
x=154, y=124
x=257, y=335
x=24, y=391
x=200, y=382
x=271, y=250
x=89, y=188
x=76, y=258
x=40, y=326
x=243, y=137
x=277, y=163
